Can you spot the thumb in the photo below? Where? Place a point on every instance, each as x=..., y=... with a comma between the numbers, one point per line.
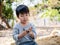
x=30, y=28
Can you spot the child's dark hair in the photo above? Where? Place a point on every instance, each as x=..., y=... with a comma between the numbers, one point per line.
x=22, y=9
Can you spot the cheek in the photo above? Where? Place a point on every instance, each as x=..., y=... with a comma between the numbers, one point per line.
x=27, y=17
x=21, y=18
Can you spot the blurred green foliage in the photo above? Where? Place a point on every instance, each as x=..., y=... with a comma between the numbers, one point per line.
x=7, y=10
x=49, y=9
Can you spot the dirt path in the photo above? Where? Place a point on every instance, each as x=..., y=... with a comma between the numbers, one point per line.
x=6, y=38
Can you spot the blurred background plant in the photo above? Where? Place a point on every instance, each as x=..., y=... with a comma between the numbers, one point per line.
x=42, y=8
x=6, y=12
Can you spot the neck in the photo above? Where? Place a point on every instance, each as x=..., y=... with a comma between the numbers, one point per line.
x=24, y=24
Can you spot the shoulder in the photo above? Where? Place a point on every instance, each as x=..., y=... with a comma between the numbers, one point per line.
x=31, y=24
x=16, y=25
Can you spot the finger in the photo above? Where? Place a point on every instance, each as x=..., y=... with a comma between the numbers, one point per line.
x=30, y=28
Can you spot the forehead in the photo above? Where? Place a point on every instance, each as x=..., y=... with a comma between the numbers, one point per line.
x=24, y=14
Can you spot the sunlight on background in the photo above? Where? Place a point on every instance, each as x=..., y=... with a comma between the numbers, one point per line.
x=44, y=14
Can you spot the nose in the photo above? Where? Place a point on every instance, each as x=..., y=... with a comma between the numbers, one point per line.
x=25, y=17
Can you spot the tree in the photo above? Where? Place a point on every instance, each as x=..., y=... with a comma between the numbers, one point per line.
x=52, y=10
x=53, y=13
x=6, y=12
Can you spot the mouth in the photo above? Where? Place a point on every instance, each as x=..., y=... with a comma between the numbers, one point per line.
x=24, y=20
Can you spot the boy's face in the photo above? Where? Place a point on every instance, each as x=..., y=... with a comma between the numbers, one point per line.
x=24, y=17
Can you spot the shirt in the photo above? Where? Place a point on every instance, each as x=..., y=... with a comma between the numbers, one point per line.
x=18, y=28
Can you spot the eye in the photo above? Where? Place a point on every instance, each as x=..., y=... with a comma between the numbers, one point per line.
x=26, y=14
x=21, y=15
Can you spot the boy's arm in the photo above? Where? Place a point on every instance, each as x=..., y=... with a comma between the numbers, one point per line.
x=17, y=36
x=22, y=34
x=26, y=32
x=33, y=33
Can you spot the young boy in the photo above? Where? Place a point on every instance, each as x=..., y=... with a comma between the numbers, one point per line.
x=24, y=32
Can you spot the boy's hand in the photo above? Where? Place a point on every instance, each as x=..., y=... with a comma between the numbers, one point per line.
x=25, y=32
x=22, y=34
x=29, y=30
x=31, y=33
